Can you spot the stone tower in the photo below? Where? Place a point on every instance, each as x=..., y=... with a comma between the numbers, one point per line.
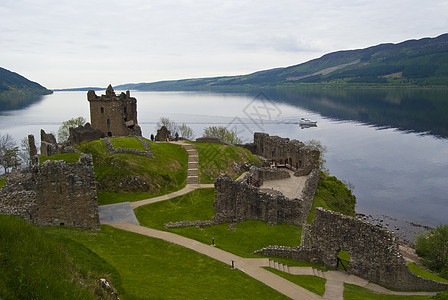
x=114, y=115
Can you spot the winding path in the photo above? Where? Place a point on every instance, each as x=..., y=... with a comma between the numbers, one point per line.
x=122, y=216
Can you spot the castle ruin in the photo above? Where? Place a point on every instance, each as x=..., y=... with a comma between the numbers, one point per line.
x=55, y=193
x=114, y=115
x=283, y=152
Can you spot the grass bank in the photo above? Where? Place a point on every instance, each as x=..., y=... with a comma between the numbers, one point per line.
x=423, y=273
x=332, y=194
x=35, y=265
x=67, y=157
x=312, y=283
x=354, y=292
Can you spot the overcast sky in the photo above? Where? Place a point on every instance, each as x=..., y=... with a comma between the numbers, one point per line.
x=67, y=43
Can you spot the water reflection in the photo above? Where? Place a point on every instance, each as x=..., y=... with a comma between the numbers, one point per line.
x=414, y=110
x=17, y=102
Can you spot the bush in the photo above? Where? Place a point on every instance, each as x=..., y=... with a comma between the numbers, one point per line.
x=433, y=248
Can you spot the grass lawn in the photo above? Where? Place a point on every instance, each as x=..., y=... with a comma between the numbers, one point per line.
x=155, y=269
x=423, y=273
x=354, y=292
x=311, y=283
x=2, y=182
x=215, y=159
x=242, y=240
x=67, y=157
x=165, y=173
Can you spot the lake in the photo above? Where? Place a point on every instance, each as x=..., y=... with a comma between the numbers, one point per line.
x=391, y=145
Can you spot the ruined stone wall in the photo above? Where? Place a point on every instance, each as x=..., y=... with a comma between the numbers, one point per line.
x=84, y=134
x=18, y=197
x=374, y=251
x=236, y=200
x=55, y=193
x=280, y=151
x=162, y=133
x=48, y=144
x=114, y=115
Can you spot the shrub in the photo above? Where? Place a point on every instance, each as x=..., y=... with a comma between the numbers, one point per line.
x=222, y=133
x=433, y=248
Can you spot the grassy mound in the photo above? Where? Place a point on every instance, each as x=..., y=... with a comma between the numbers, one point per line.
x=128, y=177
x=242, y=239
x=215, y=159
x=36, y=266
x=154, y=269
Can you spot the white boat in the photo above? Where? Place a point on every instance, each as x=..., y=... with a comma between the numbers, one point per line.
x=307, y=122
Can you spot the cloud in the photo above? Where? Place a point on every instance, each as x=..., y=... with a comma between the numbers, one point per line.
x=90, y=42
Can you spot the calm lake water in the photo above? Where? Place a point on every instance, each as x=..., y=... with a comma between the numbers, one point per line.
x=392, y=146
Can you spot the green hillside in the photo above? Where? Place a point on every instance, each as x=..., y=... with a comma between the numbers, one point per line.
x=16, y=91
x=421, y=62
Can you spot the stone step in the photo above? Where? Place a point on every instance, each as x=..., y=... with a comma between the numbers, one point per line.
x=193, y=172
x=193, y=158
x=193, y=165
x=192, y=180
x=188, y=147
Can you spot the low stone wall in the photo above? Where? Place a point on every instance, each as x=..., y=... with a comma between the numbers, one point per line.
x=55, y=193
x=236, y=200
x=111, y=150
x=297, y=253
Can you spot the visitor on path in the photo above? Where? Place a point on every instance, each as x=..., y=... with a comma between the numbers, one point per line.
x=176, y=136
x=167, y=137
x=152, y=137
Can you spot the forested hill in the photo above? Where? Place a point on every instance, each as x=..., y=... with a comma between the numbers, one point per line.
x=421, y=62
x=16, y=91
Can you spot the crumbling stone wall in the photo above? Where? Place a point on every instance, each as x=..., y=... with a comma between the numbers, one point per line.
x=236, y=200
x=55, y=193
x=84, y=134
x=114, y=115
x=111, y=150
x=48, y=144
x=162, y=133
x=374, y=251
x=283, y=151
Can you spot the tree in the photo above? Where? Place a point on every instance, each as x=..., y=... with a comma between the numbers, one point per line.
x=186, y=132
x=223, y=134
x=8, y=153
x=433, y=248
x=170, y=125
x=64, y=130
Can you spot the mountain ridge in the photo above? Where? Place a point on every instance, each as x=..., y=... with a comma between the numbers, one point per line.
x=16, y=91
x=417, y=63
